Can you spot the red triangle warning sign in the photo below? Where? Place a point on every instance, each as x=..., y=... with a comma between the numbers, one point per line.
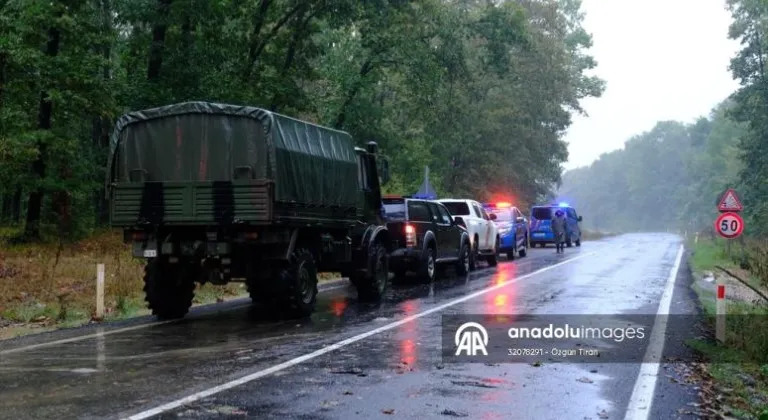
x=730, y=202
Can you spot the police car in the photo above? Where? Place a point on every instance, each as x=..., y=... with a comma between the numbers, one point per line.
x=512, y=226
x=541, y=225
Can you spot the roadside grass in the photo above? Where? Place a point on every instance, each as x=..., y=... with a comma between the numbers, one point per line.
x=49, y=286
x=594, y=235
x=739, y=366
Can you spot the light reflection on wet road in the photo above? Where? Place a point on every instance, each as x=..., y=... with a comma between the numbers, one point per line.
x=399, y=369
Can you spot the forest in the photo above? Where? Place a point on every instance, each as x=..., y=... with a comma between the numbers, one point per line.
x=474, y=89
x=672, y=176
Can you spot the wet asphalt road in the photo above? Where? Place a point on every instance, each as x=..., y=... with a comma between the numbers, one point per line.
x=391, y=371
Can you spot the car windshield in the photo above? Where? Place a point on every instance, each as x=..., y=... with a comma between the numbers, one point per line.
x=541, y=213
x=394, y=209
x=457, y=208
x=502, y=215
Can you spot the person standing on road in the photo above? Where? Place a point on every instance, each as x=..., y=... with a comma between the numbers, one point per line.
x=558, y=229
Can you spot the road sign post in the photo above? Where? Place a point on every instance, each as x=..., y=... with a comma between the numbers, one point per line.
x=720, y=312
x=729, y=225
x=730, y=203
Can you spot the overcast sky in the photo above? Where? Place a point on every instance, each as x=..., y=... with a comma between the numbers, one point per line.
x=661, y=59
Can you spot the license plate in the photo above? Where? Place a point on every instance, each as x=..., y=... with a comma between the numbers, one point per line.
x=150, y=253
x=538, y=235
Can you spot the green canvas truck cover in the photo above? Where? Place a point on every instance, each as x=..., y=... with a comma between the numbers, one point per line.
x=201, y=141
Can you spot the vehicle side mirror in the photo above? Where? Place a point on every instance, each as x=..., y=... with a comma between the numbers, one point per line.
x=520, y=220
x=460, y=221
x=492, y=216
x=579, y=218
x=383, y=170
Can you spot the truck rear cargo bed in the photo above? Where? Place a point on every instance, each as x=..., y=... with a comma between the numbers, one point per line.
x=192, y=203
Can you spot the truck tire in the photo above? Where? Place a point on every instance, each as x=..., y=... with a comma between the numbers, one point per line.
x=169, y=288
x=428, y=266
x=462, y=265
x=299, y=284
x=493, y=259
x=372, y=286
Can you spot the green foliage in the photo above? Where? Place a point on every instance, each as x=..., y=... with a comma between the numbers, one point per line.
x=669, y=178
x=479, y=91
x=749, y=27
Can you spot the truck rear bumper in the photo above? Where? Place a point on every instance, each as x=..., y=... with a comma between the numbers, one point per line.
x=405, y=259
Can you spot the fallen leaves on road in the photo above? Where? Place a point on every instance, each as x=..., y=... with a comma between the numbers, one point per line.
x=602, y=414
x=536, y=364
x=388, y=411
x=452, y=413
x=348, y=393
x=348, y=371
x=328, y=404
x=473, y=383
x=585, y=380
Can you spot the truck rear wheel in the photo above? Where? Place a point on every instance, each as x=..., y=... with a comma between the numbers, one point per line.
x=462, y=265
x=428, y=266
x=169, y=288
x=299, y=284
x=373, y=285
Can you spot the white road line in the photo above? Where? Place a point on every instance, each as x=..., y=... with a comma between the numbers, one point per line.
x=640, y=402
x=122, y=330
x=325, y=350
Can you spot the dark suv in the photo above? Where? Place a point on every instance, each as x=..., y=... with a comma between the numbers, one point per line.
x=424, y=235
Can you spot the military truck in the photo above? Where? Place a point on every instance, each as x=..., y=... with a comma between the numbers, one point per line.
x=214, y=193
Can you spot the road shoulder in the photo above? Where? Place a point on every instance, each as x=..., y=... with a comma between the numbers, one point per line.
x=681, y=379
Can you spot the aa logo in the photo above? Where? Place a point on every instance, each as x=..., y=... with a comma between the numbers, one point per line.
x=471, y=338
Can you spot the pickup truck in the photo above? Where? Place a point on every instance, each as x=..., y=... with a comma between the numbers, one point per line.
x=424, y=235
x=483, y=233
x=208, y=192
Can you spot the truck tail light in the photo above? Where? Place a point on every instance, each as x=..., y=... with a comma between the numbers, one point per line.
x=410, y=236
x=138, y=236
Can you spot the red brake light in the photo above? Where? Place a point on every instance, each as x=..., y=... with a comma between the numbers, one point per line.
x=503, y=204
x=410, y=236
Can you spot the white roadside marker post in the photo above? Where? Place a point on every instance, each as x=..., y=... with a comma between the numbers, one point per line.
x=696, y=239
x=100, y=291
x=720, y=313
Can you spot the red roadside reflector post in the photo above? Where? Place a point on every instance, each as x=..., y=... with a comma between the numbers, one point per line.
x=720, y=313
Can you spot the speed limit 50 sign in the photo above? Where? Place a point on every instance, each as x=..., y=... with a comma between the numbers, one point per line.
x=729, y=225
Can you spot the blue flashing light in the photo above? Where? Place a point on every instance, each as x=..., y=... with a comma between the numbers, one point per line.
x=563, y=204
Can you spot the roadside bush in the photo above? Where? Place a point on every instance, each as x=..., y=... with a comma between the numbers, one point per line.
x=755, y=259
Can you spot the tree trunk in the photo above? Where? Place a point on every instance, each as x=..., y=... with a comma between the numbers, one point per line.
x=158, y=40
x=35, y=202
x=258, y=43
x=16, y=210
x=366, y=68
x=100, y=125
x=7, y=207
